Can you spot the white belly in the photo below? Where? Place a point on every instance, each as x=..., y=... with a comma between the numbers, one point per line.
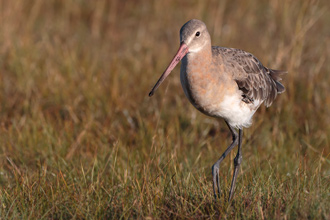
x=236, y=112
x=230, y=107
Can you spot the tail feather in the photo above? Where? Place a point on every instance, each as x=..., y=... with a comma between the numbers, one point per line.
x=276, y=76
x=276, y=87
x=280, y=88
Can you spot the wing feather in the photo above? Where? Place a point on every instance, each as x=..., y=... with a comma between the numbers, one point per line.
x=253, y=79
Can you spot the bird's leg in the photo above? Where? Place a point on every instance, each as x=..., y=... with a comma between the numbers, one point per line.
x=215, y=167
x=237, y=163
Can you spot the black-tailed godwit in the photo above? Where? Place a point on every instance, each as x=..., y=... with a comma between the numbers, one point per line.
x=223, y=83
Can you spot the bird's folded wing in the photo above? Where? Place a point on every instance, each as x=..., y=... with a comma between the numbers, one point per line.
x=253, y=79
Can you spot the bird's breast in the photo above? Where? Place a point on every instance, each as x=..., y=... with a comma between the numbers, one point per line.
x=205, y=84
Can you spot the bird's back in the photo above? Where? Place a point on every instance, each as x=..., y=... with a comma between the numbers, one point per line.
x=257, y=83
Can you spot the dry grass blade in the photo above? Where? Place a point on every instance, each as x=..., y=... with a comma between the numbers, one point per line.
x=80, y=138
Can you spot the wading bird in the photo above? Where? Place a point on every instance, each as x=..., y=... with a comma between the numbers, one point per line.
x=223, y=83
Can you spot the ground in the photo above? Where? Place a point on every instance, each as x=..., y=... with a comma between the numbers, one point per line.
x=81, y=139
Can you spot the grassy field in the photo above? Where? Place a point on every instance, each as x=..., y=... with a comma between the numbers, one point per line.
x=81, y=139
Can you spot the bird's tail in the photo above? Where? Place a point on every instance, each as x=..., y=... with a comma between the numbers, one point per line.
x=276, y=76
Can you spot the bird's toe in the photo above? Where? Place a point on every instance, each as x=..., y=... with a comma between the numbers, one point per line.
x=216, y=183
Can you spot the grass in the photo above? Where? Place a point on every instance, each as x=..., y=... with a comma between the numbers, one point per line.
x=80, y=138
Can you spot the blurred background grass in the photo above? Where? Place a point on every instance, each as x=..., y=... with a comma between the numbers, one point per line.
x=80, y=138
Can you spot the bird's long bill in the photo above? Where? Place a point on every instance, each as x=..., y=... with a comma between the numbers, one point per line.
x=183, y=50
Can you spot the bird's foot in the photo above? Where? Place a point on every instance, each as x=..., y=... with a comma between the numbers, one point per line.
x=237, y=163
x=216, y=183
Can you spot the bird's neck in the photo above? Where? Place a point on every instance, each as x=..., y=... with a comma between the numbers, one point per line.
x=198, y=63
x=203, y=55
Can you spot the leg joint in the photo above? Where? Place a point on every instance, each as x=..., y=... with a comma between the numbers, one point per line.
x=234, y=136
x=238, y=160
x=235, y=139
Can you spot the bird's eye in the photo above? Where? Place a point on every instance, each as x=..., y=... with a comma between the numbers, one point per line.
x=198, y=34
